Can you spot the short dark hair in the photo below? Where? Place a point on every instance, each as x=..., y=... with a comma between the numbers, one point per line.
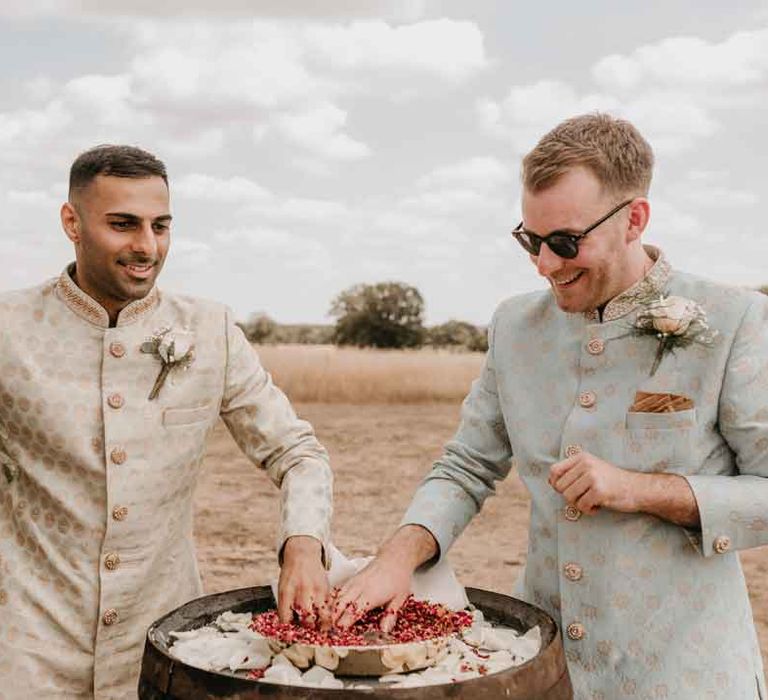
x=117, y=161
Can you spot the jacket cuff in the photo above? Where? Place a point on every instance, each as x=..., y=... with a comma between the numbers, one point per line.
x=732, y=513
x=444, y=509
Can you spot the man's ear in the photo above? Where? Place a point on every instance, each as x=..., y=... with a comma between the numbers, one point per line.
x=639, y=214
x=70, y=222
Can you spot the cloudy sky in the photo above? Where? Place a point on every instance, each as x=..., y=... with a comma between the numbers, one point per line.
x=314, y=145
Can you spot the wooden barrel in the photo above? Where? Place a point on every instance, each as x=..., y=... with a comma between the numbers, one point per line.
x=545, y=677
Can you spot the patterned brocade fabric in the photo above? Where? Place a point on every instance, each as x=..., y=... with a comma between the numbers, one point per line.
x=647, y=609
x=651, y=286
x=96, y=481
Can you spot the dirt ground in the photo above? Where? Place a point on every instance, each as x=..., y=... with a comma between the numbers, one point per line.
x=379, y=453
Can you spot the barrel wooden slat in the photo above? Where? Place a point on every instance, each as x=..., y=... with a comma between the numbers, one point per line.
x=164, y=678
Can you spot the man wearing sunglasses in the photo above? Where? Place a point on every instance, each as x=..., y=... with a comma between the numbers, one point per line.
x=647, y=470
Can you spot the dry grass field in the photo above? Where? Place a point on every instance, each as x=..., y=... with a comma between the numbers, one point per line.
x=327, y=374
x=383, y=421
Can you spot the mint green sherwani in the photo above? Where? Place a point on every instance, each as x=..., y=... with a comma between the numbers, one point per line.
x=648, y=609
x=97, y=482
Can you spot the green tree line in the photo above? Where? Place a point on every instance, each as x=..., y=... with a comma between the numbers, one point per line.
x=381, y=315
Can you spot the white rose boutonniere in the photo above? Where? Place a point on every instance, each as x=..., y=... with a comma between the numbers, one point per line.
x=174, y=349
x=676, y=322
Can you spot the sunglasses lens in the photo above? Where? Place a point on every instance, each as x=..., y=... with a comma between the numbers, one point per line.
x=563, y=246
x=529, y=241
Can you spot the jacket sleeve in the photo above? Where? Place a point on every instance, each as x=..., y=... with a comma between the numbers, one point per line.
x=477, y=456
x=265, y=426
x=734, y=508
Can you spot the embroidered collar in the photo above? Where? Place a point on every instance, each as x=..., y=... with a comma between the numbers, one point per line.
x=652, y=285
x=93, y=312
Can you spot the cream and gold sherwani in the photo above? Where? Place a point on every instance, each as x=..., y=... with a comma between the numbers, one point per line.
x=648, y=610
x=96, y=481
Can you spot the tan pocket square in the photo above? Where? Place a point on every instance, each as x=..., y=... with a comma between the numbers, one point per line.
x=647, y=402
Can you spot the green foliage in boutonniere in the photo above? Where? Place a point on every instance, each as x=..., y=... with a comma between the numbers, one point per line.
x=676, y=322
x=8, y=465
x=174, y=350
x=10, y=470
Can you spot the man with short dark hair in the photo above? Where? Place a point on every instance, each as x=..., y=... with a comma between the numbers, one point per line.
x=634, y=399
x=108, y=392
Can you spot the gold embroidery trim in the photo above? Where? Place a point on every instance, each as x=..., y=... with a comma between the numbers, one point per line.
x=90, y=310
x=652, y=285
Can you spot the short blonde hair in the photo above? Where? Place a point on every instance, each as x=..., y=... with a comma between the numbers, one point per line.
x=613, y=149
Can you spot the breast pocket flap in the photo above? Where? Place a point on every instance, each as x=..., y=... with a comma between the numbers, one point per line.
x=186, y=416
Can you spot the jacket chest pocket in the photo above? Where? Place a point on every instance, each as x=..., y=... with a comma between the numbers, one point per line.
x=660, y=442
x=195, y=416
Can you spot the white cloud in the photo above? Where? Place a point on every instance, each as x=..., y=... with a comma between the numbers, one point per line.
x=222, y=68
x=194, y=83
x=106, y=98
x=672, y=122
x=443, y=47
x=253, y=245
x=22, y=130
x=319, y=130
x=480, y=173
x=711, y=190
x=528, y=110
x=249, y=201
x=672, y=90
x=28, y=9
x=739, y=60
x=189, y=254
x=33, y=198
x=187, y=143
x=397, y=10
x=394, y=225
x=234, y=190
x=303, y=210
x=448, y=202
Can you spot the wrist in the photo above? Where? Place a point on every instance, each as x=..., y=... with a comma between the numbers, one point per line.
x=302, y=546
x=411, y=546
x=639, y=492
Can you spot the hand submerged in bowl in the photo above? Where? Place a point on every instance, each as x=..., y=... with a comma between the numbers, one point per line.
x=303, y=588
x=386, y=581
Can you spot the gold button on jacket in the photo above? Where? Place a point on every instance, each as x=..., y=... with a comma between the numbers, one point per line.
x=118, y=456
x=115, y=400
x=572, y=513
x=573, y=450
x=722, y=544
x=595, y=346
x=110, y=617
x=120, y=512
x=573, y=572
x=587, y=399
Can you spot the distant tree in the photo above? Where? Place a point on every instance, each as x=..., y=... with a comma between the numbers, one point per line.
x=457, y=334
x=479, y=342
x=764, y=289
x=383, y=315
x=259, y=328
x=303, y=334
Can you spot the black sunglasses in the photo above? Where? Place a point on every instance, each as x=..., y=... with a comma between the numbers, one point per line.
x=561, y=243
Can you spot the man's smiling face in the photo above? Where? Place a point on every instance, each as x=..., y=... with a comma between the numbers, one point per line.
x=603, y=267
x=121, y=230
